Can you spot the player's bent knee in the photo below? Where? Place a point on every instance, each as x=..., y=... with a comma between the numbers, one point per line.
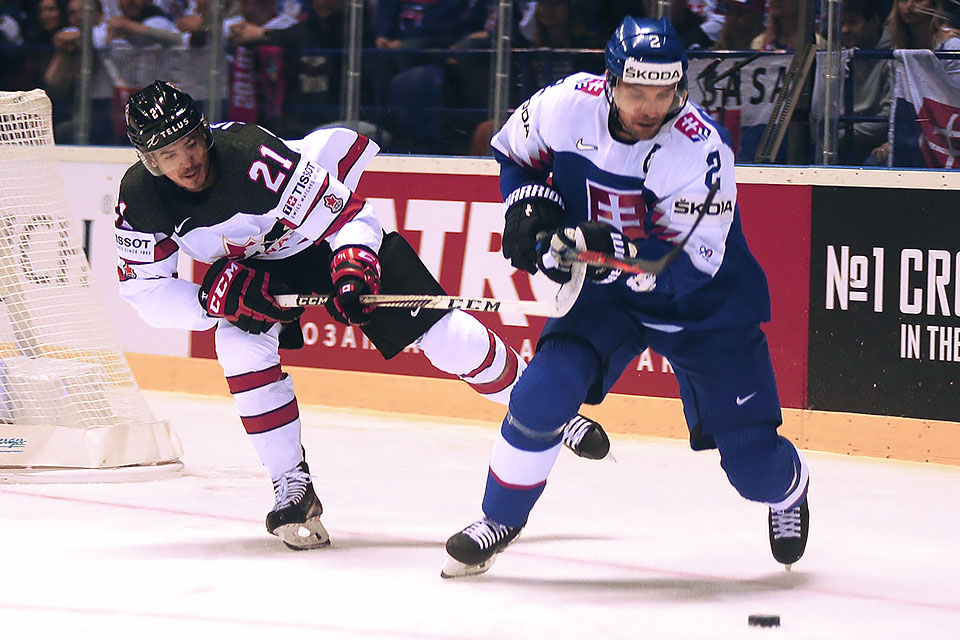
x=760, y=464
x=457, y=343
x=240, y=352
x=554, y=384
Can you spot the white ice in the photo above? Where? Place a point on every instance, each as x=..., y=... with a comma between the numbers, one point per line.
x=654, y=545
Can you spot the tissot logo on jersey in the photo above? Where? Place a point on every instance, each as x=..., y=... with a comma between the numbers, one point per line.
x=623, y=209
x=293, y=203
x=691, y=126
x=135, y=246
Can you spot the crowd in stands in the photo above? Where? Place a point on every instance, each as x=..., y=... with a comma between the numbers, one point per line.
x=425, y=75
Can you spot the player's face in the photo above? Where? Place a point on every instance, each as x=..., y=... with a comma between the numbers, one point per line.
x=643, y=107
x=185, y=162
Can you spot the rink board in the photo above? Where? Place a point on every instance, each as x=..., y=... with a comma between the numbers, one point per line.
x=865, y=300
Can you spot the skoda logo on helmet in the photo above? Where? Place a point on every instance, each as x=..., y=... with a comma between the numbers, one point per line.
x=640, y=72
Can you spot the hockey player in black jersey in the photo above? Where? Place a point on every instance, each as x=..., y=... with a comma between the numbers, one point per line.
x=271, y=215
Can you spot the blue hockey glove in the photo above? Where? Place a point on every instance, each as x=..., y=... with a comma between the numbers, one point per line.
x=531, y=209
x=598, y=236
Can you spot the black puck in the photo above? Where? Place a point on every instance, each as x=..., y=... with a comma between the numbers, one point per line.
x=763, y=621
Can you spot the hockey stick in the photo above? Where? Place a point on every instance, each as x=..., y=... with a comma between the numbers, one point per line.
x=640, y=265
x=554, y=307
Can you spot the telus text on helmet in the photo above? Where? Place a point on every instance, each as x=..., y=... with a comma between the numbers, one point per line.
x=169, y=131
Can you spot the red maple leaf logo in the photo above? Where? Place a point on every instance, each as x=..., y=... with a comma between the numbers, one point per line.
x=237, y=251
x=332, y=202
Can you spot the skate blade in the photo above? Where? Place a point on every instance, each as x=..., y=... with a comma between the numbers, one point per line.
x=456, y=569
x=788, y=566
x=301, y=537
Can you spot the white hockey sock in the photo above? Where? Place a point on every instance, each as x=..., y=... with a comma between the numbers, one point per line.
x=263, y=395
x=801, y=478
x=461, y=345
x=271, y=418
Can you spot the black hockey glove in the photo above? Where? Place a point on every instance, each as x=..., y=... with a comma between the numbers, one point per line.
x=531, y=209
x=241, y=295
x=355, y=271
x=599, y=236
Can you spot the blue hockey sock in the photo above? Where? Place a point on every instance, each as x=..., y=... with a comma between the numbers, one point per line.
x=548, y=394
x=763, y=466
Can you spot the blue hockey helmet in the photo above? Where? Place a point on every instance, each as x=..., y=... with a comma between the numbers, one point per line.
x=646, y=51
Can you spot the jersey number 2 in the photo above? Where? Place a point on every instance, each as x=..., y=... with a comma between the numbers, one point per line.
x=713, y=161
x=259, y=169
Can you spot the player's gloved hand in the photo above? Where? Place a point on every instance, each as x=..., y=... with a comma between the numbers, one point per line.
x=531, y=209
x=599, y=236
x=241, y=294
x=355, y=271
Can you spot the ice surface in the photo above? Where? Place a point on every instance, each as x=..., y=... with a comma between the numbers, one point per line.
x=654, y=545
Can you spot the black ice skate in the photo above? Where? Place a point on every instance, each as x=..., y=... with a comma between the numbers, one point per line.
x=788, y=533
x=295, y=517
x=473, y=550
x=586, y=438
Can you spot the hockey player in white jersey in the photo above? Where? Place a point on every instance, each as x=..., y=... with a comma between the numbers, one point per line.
x=274, y=216
x=632, y=162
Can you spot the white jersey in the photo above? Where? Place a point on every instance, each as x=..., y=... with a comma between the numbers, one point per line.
x=271, y=200
x=651, y=190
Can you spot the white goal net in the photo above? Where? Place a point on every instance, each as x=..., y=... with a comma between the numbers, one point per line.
x=67, y=396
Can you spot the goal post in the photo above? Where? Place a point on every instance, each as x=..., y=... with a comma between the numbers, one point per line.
x=68, y=399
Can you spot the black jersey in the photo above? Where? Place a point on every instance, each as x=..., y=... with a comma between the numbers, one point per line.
x=271, y=199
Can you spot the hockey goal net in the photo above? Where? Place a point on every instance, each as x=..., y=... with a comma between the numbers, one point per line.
x=68, y=399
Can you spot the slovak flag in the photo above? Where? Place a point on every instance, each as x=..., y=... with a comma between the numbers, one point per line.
x=925, y=119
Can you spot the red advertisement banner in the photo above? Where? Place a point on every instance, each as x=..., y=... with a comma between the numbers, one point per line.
x=454, y=222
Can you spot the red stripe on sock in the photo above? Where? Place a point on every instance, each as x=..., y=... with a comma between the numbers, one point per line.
x=516, y=487
x=504, y=380
x=488, y=360
x=271, y=419
x=254, y=380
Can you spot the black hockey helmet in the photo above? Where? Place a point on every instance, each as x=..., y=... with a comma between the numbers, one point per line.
x=161, y=114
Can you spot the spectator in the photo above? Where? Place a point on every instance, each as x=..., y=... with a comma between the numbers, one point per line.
x=468, y=73
x=195, y=26
x=139, y=25
x=862, y=28
x=689, y=24
x=257, y=75
x=743, y=21
x=557, y=25
x=406, y=24
x=918, y=24
x=60, y=80
x=560, y=24
x=416, y=83
x=712, y=18
x=313, y=62
x=921, y=24
x=782, y=27
x=48, y=20
x=64, y=67
x=45, y=18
